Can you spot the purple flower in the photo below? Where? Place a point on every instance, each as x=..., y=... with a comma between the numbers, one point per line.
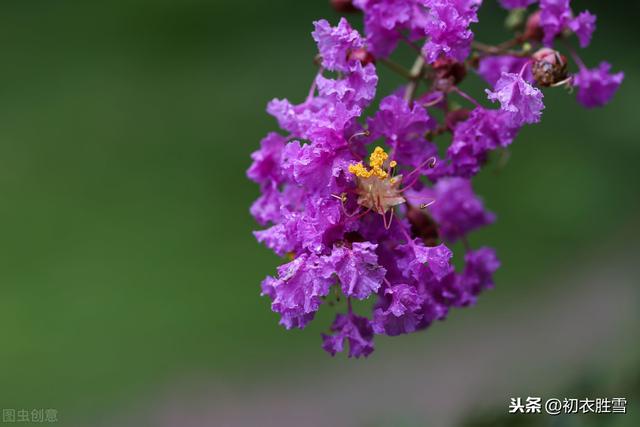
x=297, y=292
x=450, y=292
x=457, y=210
x=483, y=131
x=266, y=208
x=313, y=119
x=265, y=170
x=403, y=128
x=419, y=261
x=316, y=227
x=491, y=68
x=398, y=311
x=597, y=86
x=273, y=202
x=327, y=116
x=583, y=25
x=312, y=228
x=554, y=18
x=385, y=20
x=350, y=195
x=448, y=30
x=356, y=330
x=358, y=88
x=517, y=97
x=266, y=161
x=478, y=271
x=516, y=4
x=315, y=166
x=335, y=43
x=358, y=269
x=276, y=238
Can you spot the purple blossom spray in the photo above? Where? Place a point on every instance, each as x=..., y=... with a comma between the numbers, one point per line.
x=366, y=207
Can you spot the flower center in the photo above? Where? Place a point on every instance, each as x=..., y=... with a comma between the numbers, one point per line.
x=376, y=163
x=377, y=189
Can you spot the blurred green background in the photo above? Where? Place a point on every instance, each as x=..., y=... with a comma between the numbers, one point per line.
x=127, y=260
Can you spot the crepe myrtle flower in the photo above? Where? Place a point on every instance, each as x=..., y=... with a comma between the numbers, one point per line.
x=355, y=330
x=361, y=196
x=386, y=22
x=556, y=17
x=490, y=68
x=447, y=28
x=484, y=131
x=517, y=97
x=597, y=86
x=583, y=26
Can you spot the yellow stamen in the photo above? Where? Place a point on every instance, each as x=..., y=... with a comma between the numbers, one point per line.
x=376, y=162
x=393, y=164
x=360, y=171
x=377, y=158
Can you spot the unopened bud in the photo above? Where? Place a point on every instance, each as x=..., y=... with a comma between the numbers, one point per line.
x=448, y=72
x=343, y=6
x=549, y=67
x=422, y=225
x=454, y=117
x=353, y=237
x=363, y=55
x=532, y=29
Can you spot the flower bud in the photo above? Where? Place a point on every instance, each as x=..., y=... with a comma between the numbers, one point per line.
x=515, y=19
x=532, y=29
x=343, y=6
x=448, y=72
x=454, y=117
x=363, y=55
x=353, y=237
x=549, y=67
x=422, y=225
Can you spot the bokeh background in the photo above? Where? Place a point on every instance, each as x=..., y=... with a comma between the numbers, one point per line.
x=129, y=278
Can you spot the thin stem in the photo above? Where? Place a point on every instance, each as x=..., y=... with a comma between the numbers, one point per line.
x=502, y=49
x=412, y=86
x=431, y=160
x=394, y=146
x=510, y=43
x=406, y=236
x=435, y=101
x=411, y=44
x=466, y=96
x=384, y=219
x=422, y=205
x=312, y=89
x=396, y=68
x=487, y=48
x=466, y=244
x=357, y=134
x=438, y=131
x=524, y=68
x=574, y=55
x=356, y=216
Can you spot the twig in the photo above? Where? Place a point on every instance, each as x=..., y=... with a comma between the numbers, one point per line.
x=416, y=74
x=397, y=68
x=502, y=49
x=466, y=96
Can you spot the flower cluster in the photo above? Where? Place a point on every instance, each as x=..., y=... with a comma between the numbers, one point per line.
x=367, y=207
